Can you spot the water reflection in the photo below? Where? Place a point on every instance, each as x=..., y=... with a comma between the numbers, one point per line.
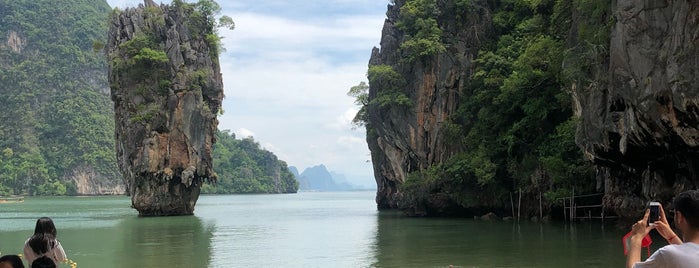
x=302, y=230
x=165, y=242
x=430, y=242
x=420, y=242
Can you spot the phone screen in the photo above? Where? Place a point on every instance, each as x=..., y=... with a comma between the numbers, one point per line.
x=654, y=213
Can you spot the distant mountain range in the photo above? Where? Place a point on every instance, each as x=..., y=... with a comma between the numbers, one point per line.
x=318, y=178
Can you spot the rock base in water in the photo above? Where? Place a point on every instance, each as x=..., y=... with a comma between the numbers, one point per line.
x=170, y=199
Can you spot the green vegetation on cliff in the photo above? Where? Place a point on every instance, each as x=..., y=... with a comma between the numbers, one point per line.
x=56, y=123
x=515, y=115
x=514, y=127
x=392, y=82
x=243, y=167
x=515, y=120
x=419, y=22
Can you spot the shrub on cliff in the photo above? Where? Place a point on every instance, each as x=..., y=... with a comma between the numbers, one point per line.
x=418, y=19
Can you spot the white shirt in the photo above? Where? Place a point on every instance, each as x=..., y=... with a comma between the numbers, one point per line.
x=685, y=255
x=56, y=253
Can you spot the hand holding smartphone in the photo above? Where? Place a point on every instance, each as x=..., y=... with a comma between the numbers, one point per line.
x=654, y=213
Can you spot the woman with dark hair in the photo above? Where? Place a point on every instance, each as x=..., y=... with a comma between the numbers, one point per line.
x=44, y=242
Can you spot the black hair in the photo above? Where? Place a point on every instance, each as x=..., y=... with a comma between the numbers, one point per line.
x=13, y=260
x=43, y=262
x=44, y=238
x=687, y=203
x=41, y=243
x=45, y=225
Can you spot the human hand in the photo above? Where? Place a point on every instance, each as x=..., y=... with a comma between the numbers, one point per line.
x=663, y=228
x=640, y=229
x=662, y=215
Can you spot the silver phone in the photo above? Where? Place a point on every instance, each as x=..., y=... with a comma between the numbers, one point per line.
x=654, y=213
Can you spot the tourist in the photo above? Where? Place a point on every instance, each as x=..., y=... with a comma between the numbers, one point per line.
x=44, y=242
x=676, y=254
x=43, y=262
x=11, y=261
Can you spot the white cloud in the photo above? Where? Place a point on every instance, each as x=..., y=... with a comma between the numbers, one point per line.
x=270, y=147
x=243, y=133
x=287, y=82
x=351, y=141
x=281, y=155
x=344, y=121
x=334, y=33
x=287, y=77
x=126, y=3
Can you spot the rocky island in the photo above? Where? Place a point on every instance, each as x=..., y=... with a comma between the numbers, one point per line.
x=478, y=106
x=167, y=89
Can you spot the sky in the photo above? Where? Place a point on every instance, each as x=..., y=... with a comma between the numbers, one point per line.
x=286, y=71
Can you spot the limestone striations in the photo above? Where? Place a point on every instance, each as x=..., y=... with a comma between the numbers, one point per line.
x=409, y=137
x=167, y=89
x=642, y=128
x=87, y=182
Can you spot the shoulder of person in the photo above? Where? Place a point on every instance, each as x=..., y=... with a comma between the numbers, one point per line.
x=58, y=246
x=688, y=246
x=55, y=243
x=677, y=248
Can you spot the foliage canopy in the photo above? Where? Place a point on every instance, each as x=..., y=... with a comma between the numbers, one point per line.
x=243, y=167
x=56, y=121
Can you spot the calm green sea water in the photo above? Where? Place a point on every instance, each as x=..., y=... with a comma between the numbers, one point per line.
x=300, y=230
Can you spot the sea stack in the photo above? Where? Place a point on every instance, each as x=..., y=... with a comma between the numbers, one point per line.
x=167, y=89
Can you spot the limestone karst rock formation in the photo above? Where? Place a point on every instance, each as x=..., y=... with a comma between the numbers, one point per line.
x=642, y=127
x=167, y=89
x=403, y=142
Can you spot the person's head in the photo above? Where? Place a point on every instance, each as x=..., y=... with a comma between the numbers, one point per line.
x=45, y=225
x=11, y=261
x=686, y=205
x=43, y=262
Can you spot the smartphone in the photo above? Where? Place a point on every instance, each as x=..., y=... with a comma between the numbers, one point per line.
x=654, y=213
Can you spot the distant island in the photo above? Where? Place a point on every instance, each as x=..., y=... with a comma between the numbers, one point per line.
x=318, y=178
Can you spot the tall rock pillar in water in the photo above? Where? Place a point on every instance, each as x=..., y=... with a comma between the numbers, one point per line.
x=166, y=86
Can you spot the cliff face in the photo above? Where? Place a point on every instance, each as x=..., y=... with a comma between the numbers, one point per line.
x=87, y=183
x=166, y=86
x=642, y=128
x=407, y=139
